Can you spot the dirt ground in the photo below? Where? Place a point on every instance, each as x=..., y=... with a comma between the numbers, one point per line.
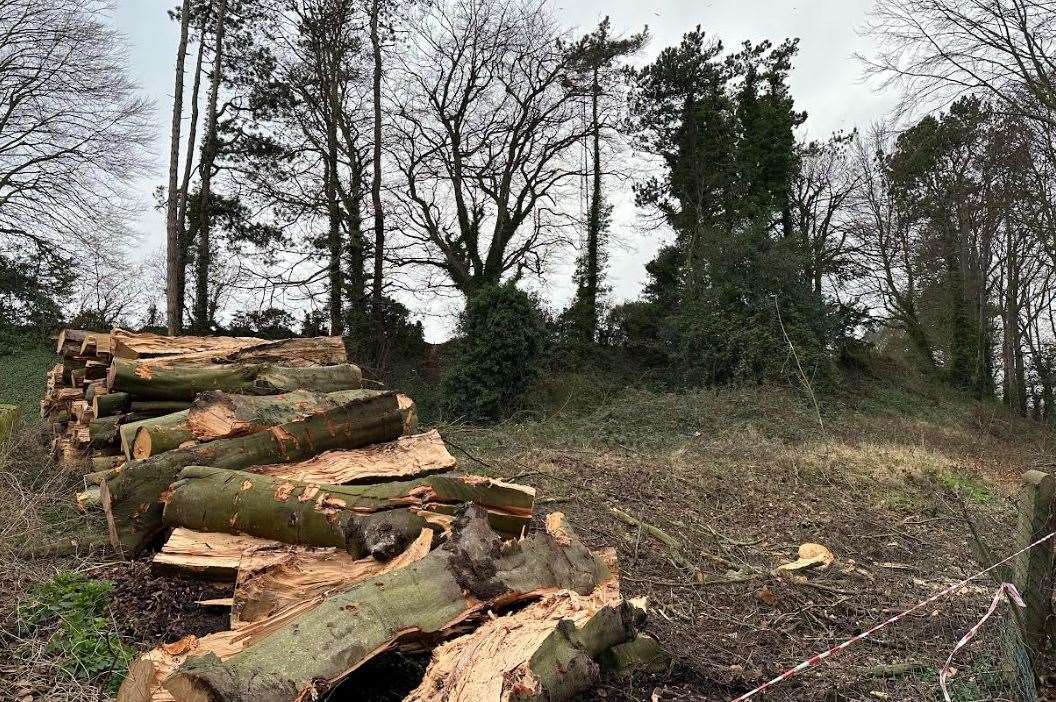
x=741, y=478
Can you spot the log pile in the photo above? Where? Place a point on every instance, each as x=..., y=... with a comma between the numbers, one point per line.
x=342, y=530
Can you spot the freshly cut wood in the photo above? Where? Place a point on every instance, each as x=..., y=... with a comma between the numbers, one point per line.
x=70, y=340
x=471, y=574
x=292, y=353
x=128, y=430
x=146, y=675
x=186, y=382
x=88, y=499
x=407, y=458
x=376, y=520
x=152, y=439
x=146, y=344
x=270, y=582
x=132, y=496
x=544, y=653
x=212, y=556
x=95, y=345
x=220, y=415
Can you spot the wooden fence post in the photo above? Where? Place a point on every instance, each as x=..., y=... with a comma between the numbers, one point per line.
x=1032, y=571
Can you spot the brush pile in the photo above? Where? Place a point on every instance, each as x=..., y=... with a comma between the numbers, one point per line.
x=344, y=532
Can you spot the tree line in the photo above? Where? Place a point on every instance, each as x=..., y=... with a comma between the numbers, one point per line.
x=337, y=156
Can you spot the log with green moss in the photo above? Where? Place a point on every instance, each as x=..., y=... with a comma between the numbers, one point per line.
x=152, y=439
x=376, y=520
x=424, y=601
x=132, y=496
x=221, y=415
x=186, y=382
x=128, y=430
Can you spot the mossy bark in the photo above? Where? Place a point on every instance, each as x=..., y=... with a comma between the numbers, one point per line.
x=153, y=439
x=128, y=431
x=132, y=496
x=172, y=382
x=470, y=574
x=375, y=520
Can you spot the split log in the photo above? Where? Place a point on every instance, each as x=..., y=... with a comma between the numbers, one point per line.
x=544, y=653
x=95, y=345
x=211, y=556
x=132, y=496
x=471, y=574
x=407, y=458
x=376, y=520
x=146, y=344
x=271, y=581
x=152, y=439
x=291, y=353
x=70, y=340
x=185, y=382
x=146, y=675
x=220, y=415
x=128, y=430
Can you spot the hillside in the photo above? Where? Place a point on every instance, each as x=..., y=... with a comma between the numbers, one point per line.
x=740, y=476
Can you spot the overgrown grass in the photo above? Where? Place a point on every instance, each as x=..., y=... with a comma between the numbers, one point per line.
x=71, y=611
x=23, y=367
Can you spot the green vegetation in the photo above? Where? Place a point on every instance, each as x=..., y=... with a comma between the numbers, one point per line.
x=74, y=608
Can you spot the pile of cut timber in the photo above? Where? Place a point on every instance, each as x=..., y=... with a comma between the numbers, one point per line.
x=344, y=533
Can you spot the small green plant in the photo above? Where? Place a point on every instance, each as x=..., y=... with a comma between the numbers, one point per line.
x=73, y=607
x=971, y=487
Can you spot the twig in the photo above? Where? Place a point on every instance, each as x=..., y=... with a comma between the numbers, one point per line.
x=802, y=375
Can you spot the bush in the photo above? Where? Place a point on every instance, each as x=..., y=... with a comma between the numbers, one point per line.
x=501, y=337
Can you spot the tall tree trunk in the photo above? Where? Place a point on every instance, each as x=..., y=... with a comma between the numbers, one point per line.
x=173, y=271
x=355, y=283
x=201, y=298
x=594, y=226
x=337, y=317
x=186, y=237
x=377, y=302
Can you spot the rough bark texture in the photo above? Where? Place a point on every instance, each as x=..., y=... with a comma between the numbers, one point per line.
x=465, y=577
x=376, y=520
x=186, y=382
x=147, y=344
x=131, y=497
x=407, y=458
x=544, y=653
x=270, y=580
x=220, y=415
x=271, y=585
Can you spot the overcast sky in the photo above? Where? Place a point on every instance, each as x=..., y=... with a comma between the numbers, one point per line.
x=827, y=83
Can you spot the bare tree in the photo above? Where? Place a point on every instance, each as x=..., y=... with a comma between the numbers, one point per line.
x=486, y=127
x=938, y=50
x=72, y=128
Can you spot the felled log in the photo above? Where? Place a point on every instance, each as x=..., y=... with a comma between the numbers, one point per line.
x=102, y=465
x=210, y=556
x=270, y=581
x=152, y=439
x=291, y=353
x=543, y=653
x=70, y=340
x=146, y=675
x=376, y=520
x=467, y=576
x=407, y=458
x=127, y=344
x=131, y=497
x=95, y=344
x=111, y=403
x=221, y=415
x=128, y=430
x=185, y=382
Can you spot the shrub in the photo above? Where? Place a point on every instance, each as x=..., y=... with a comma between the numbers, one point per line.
x=501, y=337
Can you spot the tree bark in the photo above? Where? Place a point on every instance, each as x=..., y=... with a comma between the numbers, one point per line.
x=185, y=382
x=132, y=496
x=152, y=439
x=462, y=579
x=376, y=520
x=129, y=430
x=111, y=404
x=378, y=292
x=174, y=301
x=201, y=298
x=220, y=415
